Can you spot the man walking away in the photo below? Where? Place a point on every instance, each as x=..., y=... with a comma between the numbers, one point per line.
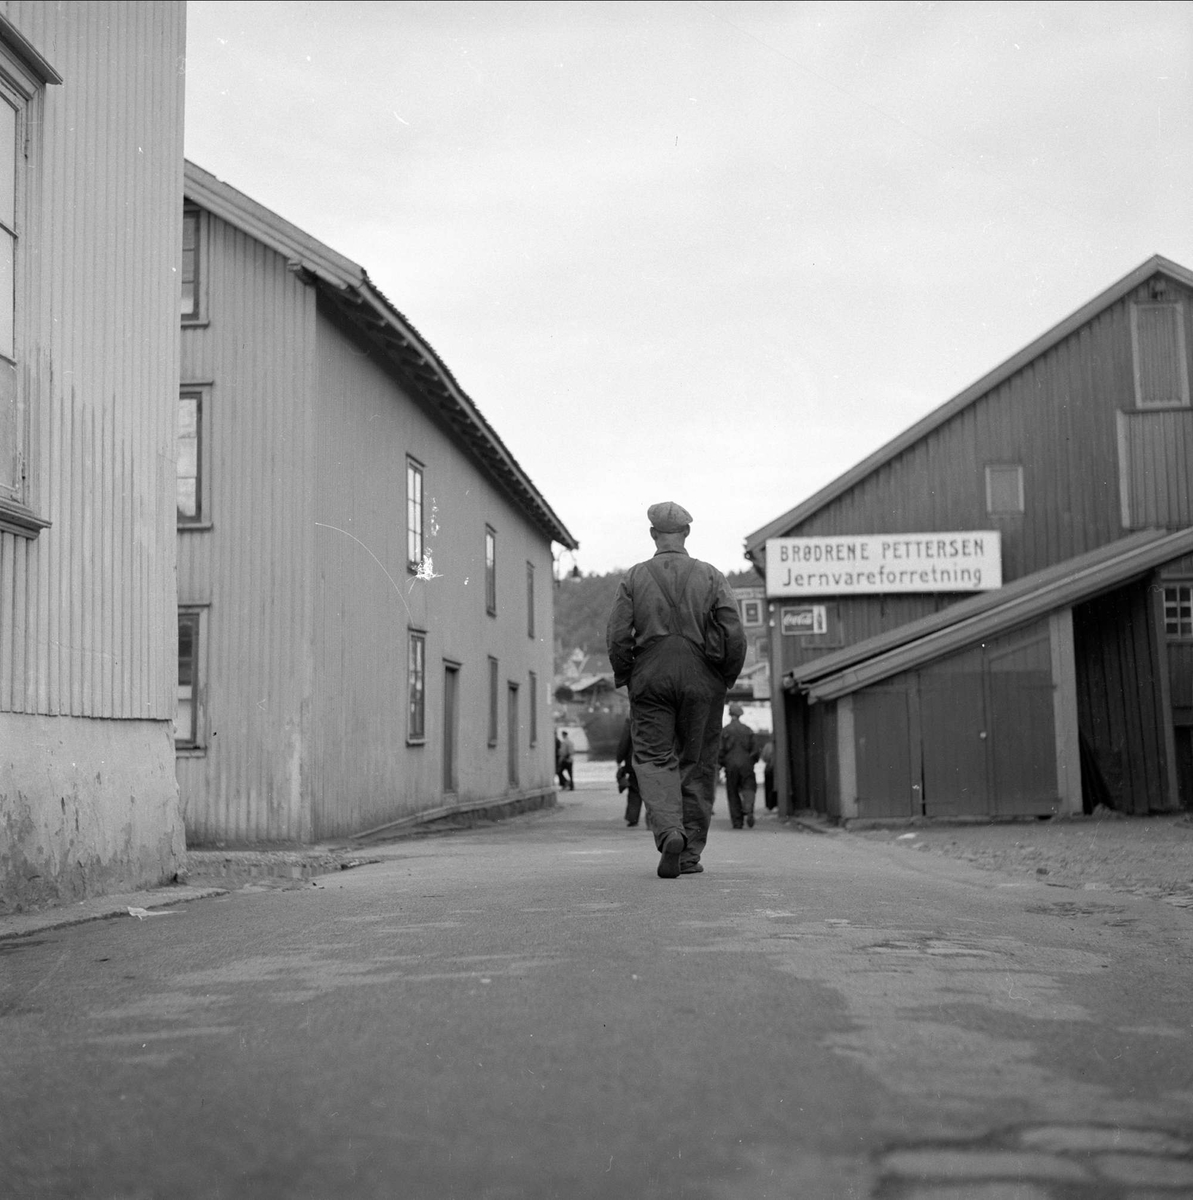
x=627, y=781
x=675, y=638
x=739, y=753
x=563, y=762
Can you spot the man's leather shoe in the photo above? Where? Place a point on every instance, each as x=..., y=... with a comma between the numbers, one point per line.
x=672, y=848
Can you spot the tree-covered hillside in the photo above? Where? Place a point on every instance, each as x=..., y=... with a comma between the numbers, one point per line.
x=582, y=612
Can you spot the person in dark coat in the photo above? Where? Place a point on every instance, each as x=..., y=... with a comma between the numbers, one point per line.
x=739, y=753
x=627, y=781
x=563, y=761
x=768, y=775
x=675, y=638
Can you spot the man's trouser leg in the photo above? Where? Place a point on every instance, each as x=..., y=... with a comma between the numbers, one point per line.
x=656, y=763
x=633, y=802
x=699, y=729
x=676, y=707
x=749, y=793
x=733, y=795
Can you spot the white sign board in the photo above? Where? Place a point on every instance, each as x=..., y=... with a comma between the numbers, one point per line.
x=967, y=561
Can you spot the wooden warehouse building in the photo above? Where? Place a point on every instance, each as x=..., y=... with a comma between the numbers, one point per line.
x=364, y=571
x=91, y=114
x=992, y=615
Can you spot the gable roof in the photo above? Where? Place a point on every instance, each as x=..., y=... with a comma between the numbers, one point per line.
x=984, y=616
x=756, y=541
x=373, y=320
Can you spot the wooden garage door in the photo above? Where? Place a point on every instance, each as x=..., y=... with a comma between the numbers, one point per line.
x=953, y=732
x=1021, y=724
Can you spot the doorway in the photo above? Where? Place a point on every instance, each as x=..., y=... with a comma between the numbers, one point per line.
x=512, y=734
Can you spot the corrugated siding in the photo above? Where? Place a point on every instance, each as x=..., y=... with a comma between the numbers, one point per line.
x=362, y=772
x=252, y=567
x=86, y=625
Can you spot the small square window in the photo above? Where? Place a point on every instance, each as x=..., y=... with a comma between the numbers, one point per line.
x=1004, y=489
x=751, y=612
x=1178, y=610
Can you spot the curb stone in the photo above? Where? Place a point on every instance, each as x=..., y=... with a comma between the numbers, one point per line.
x=101, y=908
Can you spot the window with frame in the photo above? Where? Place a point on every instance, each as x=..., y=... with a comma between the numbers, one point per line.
x=414, y=513
x=530, y=599
x=186, y=716
x=23, y=76
x=751, y=612
x=1178, y=610
x=190, y=264
x=493, y=682
x=416, y=676
x=490, y=571
x=1004, y=489
x=532, y=699
x=190, y=501
x=1161, y=366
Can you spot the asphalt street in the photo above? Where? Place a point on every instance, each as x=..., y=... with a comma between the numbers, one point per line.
x=526, y=1010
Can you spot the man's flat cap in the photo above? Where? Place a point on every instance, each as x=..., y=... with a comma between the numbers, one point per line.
x=735, y=709
x=668, y=517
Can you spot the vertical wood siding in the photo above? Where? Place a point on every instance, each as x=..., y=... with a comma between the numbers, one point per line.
x=252, y=567
x=1120, y=707
x=1157, y=460
x=86, y=608
x=362, y=773
x=1057, y=416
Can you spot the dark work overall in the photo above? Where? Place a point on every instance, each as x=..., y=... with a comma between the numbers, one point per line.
x=676, y=706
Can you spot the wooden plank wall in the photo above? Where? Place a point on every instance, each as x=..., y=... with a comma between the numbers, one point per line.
x=1120, y=709
x=1157, y=449
x=253, y=354
x=86, y=608
x=1056, y=416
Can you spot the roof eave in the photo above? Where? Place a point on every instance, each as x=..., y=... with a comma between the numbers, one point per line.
x=348, y=280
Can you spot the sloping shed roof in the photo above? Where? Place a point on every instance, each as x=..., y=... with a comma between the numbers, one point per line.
x=755, y=542
x=989, y=614
x=586, y=682
x=362, y=307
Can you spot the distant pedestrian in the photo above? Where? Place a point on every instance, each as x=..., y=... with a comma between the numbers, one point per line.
x=675, y=638
x=739, y=753
x=627, y=781
x=768, y=776
x=563, y=761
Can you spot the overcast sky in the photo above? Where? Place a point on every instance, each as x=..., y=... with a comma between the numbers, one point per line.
x=710, y=252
